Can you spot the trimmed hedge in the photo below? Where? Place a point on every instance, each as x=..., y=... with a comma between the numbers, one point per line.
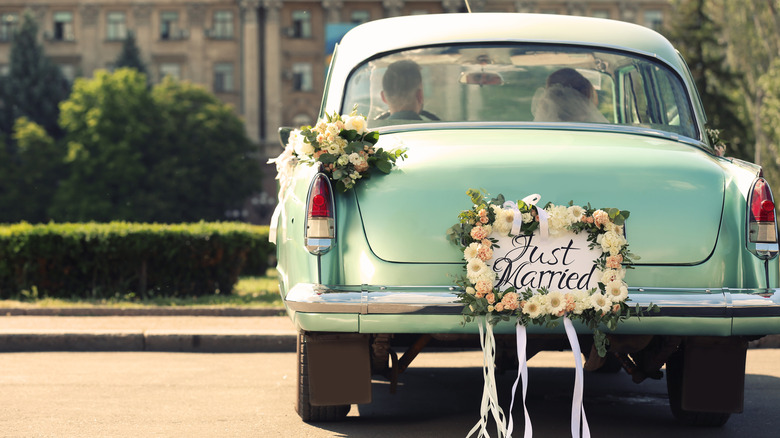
x=100, y=260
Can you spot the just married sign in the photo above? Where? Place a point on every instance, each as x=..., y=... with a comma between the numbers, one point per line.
x=540, y=266
x=564, y=263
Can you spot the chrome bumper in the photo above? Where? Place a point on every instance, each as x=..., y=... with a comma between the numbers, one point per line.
x=443, y=300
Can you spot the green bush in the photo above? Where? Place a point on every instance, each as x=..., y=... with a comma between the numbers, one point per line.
x=102, y=260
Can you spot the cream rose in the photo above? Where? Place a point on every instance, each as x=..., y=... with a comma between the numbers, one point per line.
x=358, y=123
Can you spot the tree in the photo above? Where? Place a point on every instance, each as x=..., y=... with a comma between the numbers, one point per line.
x=109, y=121
x=750, y=29
x=168, y=154
x=694, y=32
x=130, y=56
x=34, y=86
x=29, y=177
x=204, y=163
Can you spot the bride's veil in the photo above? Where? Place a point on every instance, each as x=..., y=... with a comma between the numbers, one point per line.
x=560, y=103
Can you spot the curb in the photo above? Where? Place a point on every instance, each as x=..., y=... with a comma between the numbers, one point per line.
x=226, y=341
x=156, y=311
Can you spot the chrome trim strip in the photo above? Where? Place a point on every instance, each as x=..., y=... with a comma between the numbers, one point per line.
x=374, y=300
x=568, y=126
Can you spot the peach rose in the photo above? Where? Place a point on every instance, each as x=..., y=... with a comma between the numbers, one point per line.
x=613, y=262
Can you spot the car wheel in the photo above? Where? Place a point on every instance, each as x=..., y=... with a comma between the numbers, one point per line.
x=306, y=411
x=674, y=385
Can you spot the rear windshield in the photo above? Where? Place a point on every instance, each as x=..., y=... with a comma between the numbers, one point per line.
x=520, y=83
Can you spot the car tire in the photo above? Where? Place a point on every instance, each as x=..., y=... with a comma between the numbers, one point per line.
x=674, y=385
x=306, y=411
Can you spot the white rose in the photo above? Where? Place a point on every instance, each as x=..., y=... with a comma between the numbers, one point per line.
x=612, y=242
x=358, y=123
x=354, y=158
x=528, y=218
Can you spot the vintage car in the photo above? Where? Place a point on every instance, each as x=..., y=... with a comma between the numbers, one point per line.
x=369, y=271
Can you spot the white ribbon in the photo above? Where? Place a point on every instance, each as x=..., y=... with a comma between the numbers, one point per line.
x=274, y=223
x=577, y=409
x=518, y=221
x=522, y=373
x=489, y=404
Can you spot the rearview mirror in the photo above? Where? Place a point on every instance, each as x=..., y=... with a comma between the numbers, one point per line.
x=481, y=78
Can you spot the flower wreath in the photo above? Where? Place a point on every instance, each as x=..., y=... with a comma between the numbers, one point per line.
x=342, y=145
x=478, y=232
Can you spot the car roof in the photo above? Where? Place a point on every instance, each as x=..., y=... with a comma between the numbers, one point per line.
x=375, y=37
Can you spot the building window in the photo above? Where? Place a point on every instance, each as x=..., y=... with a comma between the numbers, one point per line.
x=223, y=25
x=8, y=26
x=302, y=120
x=654, y=19
x=223, y=77
x=301, y=27
x=169, y=26
x=600, y=13
x=63, y=26
x=116, y=28
x=170, y=69
x=302, y=76
x=358, y=17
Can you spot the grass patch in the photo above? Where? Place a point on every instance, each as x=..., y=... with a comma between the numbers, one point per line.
x=249, y=292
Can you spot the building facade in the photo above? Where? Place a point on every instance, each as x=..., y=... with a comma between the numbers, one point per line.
x=267, y=58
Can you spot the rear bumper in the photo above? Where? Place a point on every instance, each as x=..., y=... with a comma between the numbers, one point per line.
x=392, y=309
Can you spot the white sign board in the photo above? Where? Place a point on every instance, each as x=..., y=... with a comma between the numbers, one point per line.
x=563, y=263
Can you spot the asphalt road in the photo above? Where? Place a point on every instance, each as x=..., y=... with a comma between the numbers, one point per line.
x=145, y=394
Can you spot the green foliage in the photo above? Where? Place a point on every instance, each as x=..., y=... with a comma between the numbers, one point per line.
x=697, y=35
x=101, y=260
x=34, y=86
x=170, y=154
x=109, y=121
x=130, y=56
x=203, y=163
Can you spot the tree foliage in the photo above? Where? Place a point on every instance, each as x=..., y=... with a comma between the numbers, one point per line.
x=130, y=56
x=34, y=86
x=696, y=35
x=29, y=173
x=167, y=154
x=753, y=47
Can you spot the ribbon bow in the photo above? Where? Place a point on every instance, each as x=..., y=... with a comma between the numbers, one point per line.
x=518, y=221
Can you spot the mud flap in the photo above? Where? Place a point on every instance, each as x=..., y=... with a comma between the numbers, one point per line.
x=714, y=374
x=339, y=369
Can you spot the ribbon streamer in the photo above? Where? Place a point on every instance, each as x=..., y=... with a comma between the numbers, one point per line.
x=489, y=404
x=522, y=373
x=577, y=409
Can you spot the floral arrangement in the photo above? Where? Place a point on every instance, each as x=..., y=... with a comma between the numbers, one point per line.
x=477, y=231
x=343, y=146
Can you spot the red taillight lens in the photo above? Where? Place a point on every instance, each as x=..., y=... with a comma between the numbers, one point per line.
x=761, y=220
x=320, y=200
x=320, y=216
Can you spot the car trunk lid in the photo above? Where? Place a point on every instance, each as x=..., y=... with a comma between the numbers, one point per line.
x=673, y=191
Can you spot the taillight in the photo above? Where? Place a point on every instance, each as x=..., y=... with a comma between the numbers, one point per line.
x=762, y=227
x=320, y=216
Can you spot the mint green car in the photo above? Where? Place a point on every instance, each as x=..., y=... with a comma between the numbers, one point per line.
x=504, y=108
